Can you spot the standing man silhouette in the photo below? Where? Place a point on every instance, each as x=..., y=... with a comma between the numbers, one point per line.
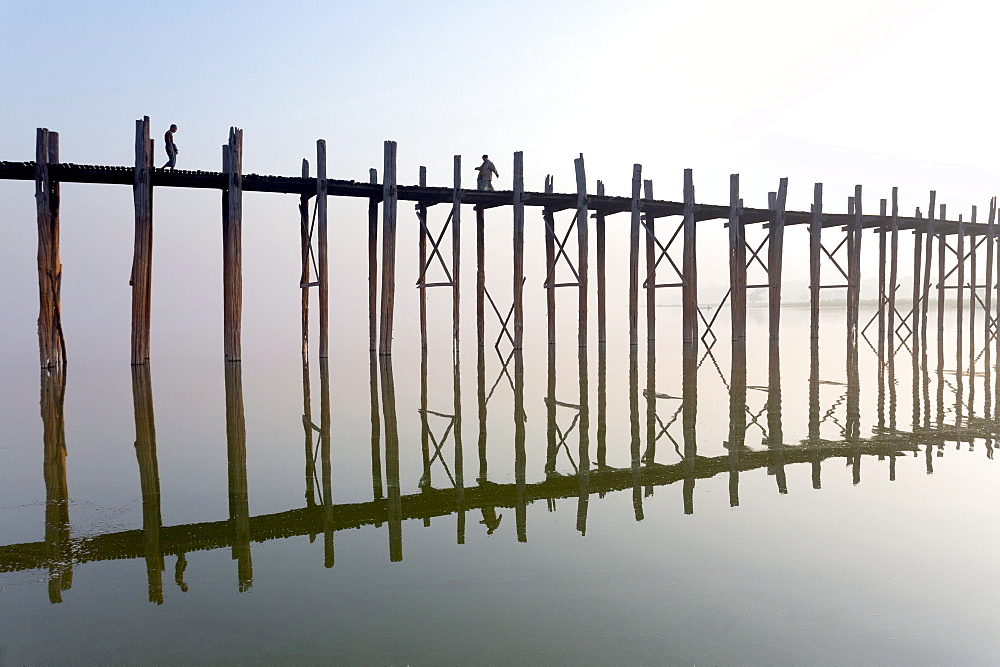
x=168, y=143
x=486, y=171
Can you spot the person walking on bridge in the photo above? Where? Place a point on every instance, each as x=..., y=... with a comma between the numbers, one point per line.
x=168, y=143
x=486, y=172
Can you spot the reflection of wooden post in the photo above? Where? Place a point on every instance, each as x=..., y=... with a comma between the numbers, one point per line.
x=737, y=263
x=583, y=498
x=321, y=229
x=602, y=406
x=57, y=536
x=737, y=417
x=376, y=435
x=551, y=450
x=232, y=244
x=602, y=325
x=425, y=450
x=239, y=502
x=636, y=440
x=481, y=478
x=324, y=448
x=649, y=456
x=518, y=285
x=775, y=435
x=149, y=478
x=394, y=504
x=142, y=257
x=388, y=248
x=633, y=259
x=51, y=346
x=372, y=263
x=520, y=460
x=459, y=455
x=689, y=420
x=814, y=421
x=815, y=241
x=689, y=266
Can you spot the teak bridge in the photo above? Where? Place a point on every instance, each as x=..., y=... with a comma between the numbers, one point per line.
x=956, y=241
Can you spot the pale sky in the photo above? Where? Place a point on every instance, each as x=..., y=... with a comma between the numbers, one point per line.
x=870, y=92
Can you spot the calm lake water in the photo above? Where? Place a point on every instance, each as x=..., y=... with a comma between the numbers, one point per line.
x=195, y=518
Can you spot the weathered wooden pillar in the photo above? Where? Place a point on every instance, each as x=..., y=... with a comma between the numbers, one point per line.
x=893, y=275
x=973, y=296
x=882, y=268
x=635, y=439
x=650, y=282
x=372, y=263
x=775, y=433
x=737, y=414
x=232, y=244
x=480, y=276
x=388, y=248
x=988, y=305
x=58, y=542
x=928, y=263
x=853, y=270
x=51, y=345
x=917, y=257
x=583, y=453
x=689, y=266
x=941, y=293
x=582, y=226
x=548, y=217
x=602, y=325
x=422, y=234
x=304, y=275
x=960, y=294
x=689, y=420
x=633, y=258
x=321, y=229
x=775, y=249
x=815, y=240
x=737, y=262
x=326, y=468
x=376, y=430
x=456, y=255
x=142, y=253
x=393, y=490
x=518, y=286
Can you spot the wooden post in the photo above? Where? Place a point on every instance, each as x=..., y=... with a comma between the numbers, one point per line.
x=232, y=244
x=388, y=248
x=236, y=448
x=960, y=294
x=633, y=259
x=737, y=262
x=456, y=255
x=583, y=243
x=689, y=266
x=518, y=285
x=973, y=294
x=393, y=489
x=988, y=305
x=51, y=346
x=854, y=271
x=149, y=477
x=305, y=273
x=422, y=261
x=893, y=273
x=650, y=266
x=58, y=543
x=917, y=255
x=548, y=218
x=929, y=251
x=602, y=325
x=480, y=276
x=142, y=253
x=883, y=211
x=321, y=229
x=815, y=239
x=941, y=293
x=775, y=247
x=372, y=262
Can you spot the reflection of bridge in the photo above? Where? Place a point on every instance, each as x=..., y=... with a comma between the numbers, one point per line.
x=59, y=551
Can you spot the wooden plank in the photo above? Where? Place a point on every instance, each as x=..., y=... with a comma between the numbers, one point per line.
x=737, y=263
x=633, y=258
x=456, y=254
x=389, y=195
x=142, y=252
x=775, y=249
x=548, y=218
x=602, y=324
x=323, y=247
x=582, y=242
x=232, y=245
x=518, y=285
x=815, y=240
x=422, y=233
x=689, y=267
x=372, y=263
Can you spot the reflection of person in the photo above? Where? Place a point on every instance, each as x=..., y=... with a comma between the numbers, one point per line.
x=168, y=143
x=486, y=171
x=179, y=572
x=490, y=518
